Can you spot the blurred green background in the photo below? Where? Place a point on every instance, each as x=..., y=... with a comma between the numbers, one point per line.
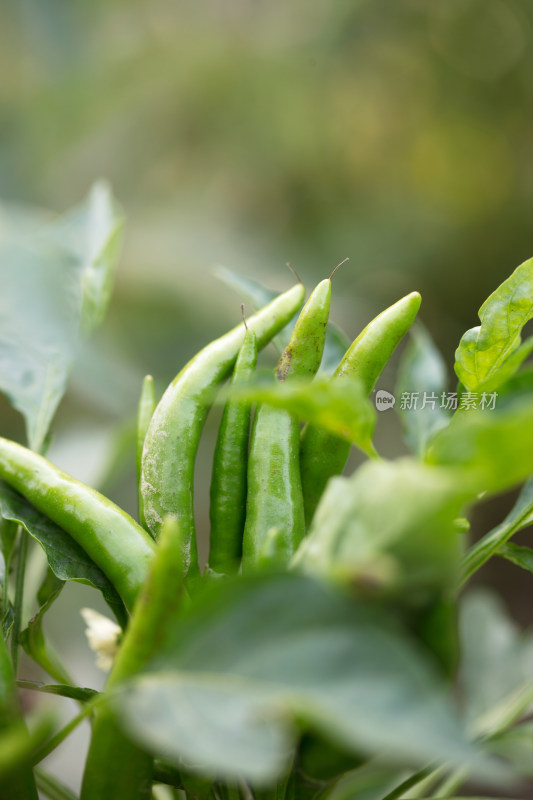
x=247, y=133
x=252, y=133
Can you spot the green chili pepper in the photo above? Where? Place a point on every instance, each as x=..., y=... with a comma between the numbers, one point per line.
x=115, y=767
x=174, y=432
x=323, y=455
x=274, y=488
x=19, y=782
x=228, y=483
x=145, y=412
x=114, y=541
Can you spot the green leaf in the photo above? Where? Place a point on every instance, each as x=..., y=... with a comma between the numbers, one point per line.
x=56, y=284
x=32, y=638
x=63, y=690
x=67, y=560
x=249, y=656
x=495, y=676
x=491, y=448
x=340, y=407
x=519, y=517
x=258, y=295
x=373, y=526
x=92, y=236
x=521, y=556
x=422, y=370
x=489, y=354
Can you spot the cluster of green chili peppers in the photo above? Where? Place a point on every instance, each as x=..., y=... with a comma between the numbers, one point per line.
x=267, y=480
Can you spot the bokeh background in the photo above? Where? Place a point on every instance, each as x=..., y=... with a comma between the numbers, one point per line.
x=248, y=133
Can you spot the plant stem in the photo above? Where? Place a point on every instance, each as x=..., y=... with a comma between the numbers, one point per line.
x=62, y=734
x=19, y=596
x=51, y=787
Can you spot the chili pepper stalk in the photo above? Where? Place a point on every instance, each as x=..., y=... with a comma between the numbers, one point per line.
x=18, y=782
x=116, y=767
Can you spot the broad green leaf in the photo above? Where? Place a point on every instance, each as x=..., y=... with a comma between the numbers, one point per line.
x=489, y=354
x=258, y=295
x=491, y=448
x=422, y=371
x=340, y=407
x=92, y=236
x=390, y=523
x=519, y=517
x=67, y=560
x=495, y=675
x=56, y=284
x=32, y=638
x=249, y=656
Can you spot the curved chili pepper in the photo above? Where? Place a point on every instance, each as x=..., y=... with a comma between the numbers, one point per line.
x=322, y=454
x=174, y=432
x=274, y=487
x=114, y=541
x=145, y=412
x=227, y=509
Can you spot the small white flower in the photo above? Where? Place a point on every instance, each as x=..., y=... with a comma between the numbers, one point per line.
x=103, y=636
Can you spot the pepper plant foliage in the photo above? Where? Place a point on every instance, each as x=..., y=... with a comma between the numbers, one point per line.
x=341, y=664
